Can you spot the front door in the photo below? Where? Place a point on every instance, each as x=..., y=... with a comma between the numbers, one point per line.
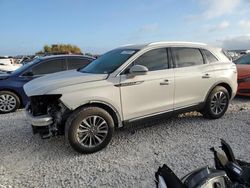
x=145, y=95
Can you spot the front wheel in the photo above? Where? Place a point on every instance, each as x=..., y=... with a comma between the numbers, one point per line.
x=217, y=103
x=89, y=129
x=9, y=102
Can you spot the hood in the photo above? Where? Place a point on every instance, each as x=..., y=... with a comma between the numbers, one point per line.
x=4, y=75
x=243, y=71
x=43, y=85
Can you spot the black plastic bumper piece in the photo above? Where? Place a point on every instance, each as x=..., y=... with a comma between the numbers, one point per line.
x=44, y=131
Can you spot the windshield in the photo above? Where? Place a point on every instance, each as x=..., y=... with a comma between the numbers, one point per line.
x=25, y=66
x=245, y=60
x=109, y=62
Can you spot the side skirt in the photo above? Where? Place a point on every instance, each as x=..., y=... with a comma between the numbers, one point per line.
x=165, y=115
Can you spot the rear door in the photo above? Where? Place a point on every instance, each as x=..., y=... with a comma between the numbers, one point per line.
x=193, y=77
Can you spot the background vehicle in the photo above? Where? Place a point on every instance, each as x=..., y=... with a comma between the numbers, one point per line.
x=12, y=95
x=26, y=59
x=5, y=60
x=233, y=55
x=128, y=84
x=243, y=67
x=6, y=64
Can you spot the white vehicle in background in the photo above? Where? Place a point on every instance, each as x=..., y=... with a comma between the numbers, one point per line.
x=248, y=51
x=7, y=65
x=233, y=55
x=128, y=84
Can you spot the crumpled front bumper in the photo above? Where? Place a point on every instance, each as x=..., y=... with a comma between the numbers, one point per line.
x=39, y=121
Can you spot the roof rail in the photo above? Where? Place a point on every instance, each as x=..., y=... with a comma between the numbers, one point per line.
x=124, y=45
x=177, y=42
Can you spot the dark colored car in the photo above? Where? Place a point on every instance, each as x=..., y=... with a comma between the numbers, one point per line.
x=12, y=95
x=243, y=68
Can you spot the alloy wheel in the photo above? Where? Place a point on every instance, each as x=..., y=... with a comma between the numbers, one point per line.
x=7, y=103
x=219, y=102
x=92, y=131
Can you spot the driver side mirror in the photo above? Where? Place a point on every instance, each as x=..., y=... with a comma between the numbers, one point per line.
x=28, y=74
x=138, y=70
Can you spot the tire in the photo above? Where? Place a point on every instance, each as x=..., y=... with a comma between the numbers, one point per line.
x=85, y=125
x=9, y=102
x=217, y=103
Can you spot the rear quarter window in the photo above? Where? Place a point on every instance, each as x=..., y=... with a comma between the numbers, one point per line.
x=209, y=56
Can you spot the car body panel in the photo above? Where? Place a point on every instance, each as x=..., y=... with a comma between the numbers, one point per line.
x=243, y=80
x=102, y=90
x=226, y=73
x=243, y=71
x=195, y=85
x=41, y=86
x=15, y=84
x=146, y=94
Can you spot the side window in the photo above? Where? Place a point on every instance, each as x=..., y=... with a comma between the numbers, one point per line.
x=76, y=63
x=186, y=57
x=154, y=60
x=209, y=56
x=49, y=66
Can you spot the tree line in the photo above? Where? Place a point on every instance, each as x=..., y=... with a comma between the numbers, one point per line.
x=59, y=49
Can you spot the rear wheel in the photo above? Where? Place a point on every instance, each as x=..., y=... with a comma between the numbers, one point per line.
x=9, y=102
x=89, y=129
x=217, y=103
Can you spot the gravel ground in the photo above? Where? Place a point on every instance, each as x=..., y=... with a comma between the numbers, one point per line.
x=130, y=160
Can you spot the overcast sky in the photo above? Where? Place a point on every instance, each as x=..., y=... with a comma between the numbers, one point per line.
x=97, y=26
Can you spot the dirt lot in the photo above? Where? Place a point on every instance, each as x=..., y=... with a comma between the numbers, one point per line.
x=130, y=160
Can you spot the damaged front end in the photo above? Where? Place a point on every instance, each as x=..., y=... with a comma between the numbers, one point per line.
x=47, y=115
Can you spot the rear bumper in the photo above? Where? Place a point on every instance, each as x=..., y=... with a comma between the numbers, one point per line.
x=39, y=121
x=233, y=95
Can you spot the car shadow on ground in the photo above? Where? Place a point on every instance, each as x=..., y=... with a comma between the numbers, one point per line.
x=239, y=98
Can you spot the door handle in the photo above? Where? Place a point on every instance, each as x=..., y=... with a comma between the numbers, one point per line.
x=206, y=76
x=165, y=82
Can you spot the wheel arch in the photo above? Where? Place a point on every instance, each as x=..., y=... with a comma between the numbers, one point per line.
x=223, y=84
x=108, y=107
x=16, y=93
x=228, y=88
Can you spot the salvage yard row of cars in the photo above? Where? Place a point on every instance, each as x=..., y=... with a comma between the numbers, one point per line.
x=6, y=64
x=12, y=95
x=124, y=85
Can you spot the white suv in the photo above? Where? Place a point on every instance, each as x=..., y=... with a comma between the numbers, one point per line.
x=127, y=84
